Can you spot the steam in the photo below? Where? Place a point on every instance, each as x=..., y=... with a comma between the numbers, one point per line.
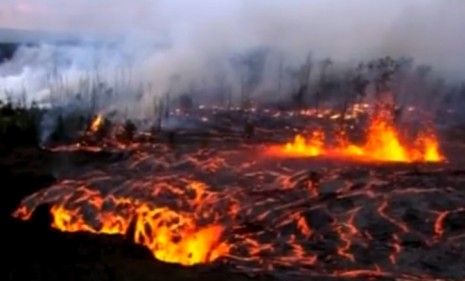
x=133, y=54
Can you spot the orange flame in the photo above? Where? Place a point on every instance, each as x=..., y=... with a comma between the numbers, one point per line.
x=96, y=124
x=175, y=238
x=314, y=146
x=383, y=143
x=172, y=237
x=186, y=237
x=72, y=221
x=429, y=145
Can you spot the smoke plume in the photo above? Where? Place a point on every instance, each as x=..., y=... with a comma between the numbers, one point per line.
x=127, y=51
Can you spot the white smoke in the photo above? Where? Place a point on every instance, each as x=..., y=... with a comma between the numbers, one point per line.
x=147, y=48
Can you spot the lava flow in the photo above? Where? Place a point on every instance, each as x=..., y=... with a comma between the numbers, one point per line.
x=172, y=236
x=383, y=143
x=226, y=202
x=302, y=147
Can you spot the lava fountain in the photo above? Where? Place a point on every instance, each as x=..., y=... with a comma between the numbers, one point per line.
x=383, y=143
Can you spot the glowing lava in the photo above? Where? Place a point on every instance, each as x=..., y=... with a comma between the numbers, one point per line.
x=301, y=147
x=383, y=143
x=430, y=147
x=96, y=123
x=173, y=237
x=210, y=204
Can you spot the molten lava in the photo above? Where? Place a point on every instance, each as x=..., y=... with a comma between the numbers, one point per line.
x=222, y=202
x=96, y=123
x=383, y=143
x=174, y=237
x=301, y=147
x=429, y=145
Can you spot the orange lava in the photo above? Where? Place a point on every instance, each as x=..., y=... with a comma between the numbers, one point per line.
x=439, y=224
x=96, y=124
x=209, y=205
x=301, y=147
x=72, y=221
x=383, y=143
x=172, y=236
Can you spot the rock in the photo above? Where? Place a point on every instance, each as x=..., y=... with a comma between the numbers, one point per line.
x=318, y=218
x=331, y=187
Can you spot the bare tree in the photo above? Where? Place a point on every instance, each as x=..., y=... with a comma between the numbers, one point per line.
x=323, y=81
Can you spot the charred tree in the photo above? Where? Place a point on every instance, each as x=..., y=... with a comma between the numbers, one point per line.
x=323, y=82
x=250, y=68
x=305, y=71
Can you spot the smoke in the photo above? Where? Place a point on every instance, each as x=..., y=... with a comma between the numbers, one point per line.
x=137, y=52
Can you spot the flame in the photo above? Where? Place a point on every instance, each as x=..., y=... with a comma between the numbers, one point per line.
x=96, y=123
x=314, y=146
x=175, y=238
x=430, y=146
x=186, y=237
x=171, y=236
x=205, y=204
x=383, y=143
x=70, y=220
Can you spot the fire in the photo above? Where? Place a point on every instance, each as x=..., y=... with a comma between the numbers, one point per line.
x=172, y=237
x=303, y=147
x=383, y=143
x=430, y=145
x=207, y=205
x=96, y=124
x=70, y=220
x=175, y=238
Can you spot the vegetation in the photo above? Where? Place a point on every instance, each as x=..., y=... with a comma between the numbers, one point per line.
x=19, y=126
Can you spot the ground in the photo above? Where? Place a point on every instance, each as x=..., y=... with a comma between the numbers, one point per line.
x=34, y=251
x=365, y=220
